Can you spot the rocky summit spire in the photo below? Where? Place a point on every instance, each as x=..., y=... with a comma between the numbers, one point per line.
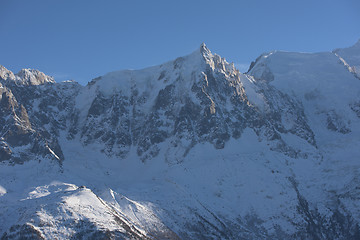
x=204, y=50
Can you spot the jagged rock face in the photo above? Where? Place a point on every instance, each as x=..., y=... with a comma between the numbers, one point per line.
x=200, y=150
x=32, y=116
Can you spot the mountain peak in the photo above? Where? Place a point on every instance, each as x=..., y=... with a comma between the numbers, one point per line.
x=5, y=73
x=25, y=76
x=203, y=47
x=204, y=50
x=34, y=77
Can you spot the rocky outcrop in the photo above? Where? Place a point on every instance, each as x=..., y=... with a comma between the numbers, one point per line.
x=22, y=121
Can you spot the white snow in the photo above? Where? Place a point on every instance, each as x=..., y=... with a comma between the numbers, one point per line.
x=320, y=82
x=252, y=91
x=244, y=174
x=2, y=191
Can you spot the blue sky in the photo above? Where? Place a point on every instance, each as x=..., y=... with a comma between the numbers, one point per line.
x=81, y=40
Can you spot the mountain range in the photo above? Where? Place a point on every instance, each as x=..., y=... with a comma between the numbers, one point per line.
x=189, y=149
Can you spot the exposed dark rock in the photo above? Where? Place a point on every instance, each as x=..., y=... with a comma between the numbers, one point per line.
x=5, y=151
x=25, y=232
x=336, y=123
x=340, y=225
x=356, y=108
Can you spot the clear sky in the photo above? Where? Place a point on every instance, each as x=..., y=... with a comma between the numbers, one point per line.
x=81, y=40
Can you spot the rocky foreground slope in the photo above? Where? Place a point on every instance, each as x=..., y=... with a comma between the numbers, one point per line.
x=190, y=149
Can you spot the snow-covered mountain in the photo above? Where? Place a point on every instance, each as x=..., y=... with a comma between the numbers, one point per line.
x=190, y=149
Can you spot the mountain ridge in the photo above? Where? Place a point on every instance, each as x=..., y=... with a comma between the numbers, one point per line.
x=189, y=149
